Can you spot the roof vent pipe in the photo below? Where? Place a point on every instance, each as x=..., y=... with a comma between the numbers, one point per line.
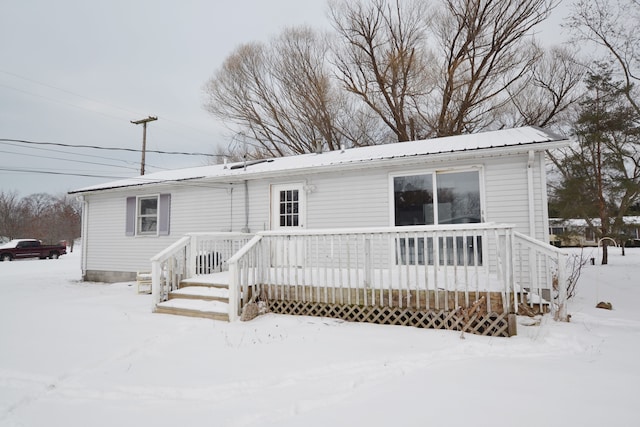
x=342, y=148
x=318, y=147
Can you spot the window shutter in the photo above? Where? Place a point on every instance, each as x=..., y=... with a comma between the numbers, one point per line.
x=164, y=213
x=131, y=217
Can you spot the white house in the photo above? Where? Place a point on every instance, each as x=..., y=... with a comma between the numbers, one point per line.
x=451, y=183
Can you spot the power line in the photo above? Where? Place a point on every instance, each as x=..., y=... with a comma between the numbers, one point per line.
x=188, y=182
x=58, y=173
x=69, y=160
x=131, y=164
x=133, y=150
x=73, y=154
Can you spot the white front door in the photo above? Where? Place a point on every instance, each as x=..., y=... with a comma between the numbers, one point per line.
x=288, y=212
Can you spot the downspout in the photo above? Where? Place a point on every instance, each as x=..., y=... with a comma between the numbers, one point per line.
x=246, y=207
x=84, y=236
x=230, y=190
x=545, y=196
x=532, y=208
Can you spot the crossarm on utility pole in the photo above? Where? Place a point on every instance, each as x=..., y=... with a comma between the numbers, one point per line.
x=144, y=138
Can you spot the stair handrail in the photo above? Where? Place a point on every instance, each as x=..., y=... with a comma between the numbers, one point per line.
x=234, y=276
x=559, y=310
x=158, y=282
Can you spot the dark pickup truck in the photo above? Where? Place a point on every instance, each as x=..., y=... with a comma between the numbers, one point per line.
x=30, y=248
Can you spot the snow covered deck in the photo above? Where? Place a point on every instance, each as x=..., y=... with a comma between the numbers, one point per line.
x=399, y=275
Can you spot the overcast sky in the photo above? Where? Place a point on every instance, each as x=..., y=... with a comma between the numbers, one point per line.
x=77, y=72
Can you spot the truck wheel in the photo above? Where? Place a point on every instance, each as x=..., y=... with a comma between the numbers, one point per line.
x=54, y=255
x=6, y=257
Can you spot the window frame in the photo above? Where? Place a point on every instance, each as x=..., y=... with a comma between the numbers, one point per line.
x=301, y=204
x=133, y=215
x=140, y=216
x=434, y=182
x=425, y=257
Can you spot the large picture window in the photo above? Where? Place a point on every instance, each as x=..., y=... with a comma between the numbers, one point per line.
x=436, y=199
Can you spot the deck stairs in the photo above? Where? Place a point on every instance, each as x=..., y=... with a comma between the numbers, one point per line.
x=203, y=296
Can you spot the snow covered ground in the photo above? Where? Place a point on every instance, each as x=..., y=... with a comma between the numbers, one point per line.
x=85, y=354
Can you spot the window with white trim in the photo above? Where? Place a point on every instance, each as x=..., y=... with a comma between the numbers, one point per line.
x=289, y=208
x=148, y=215
x=438, y=198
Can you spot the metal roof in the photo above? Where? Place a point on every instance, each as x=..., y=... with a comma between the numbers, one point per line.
x=495, y=142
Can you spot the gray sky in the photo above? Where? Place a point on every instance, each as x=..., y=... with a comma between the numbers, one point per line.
x=77, y=72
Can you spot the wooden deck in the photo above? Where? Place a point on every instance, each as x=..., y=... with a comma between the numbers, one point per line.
x=207, y=296
x=471, y=277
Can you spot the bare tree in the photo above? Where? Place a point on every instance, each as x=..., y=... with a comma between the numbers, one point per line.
x=396, y=71
x=66, y=218
x=382, y=59
x=280, y=97
x=40, y=216
x=613, y=26
x=10, y=218
x=487, y=49
x=545, y=97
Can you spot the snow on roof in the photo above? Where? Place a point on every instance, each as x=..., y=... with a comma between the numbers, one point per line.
x=461, y=144
x=580, y=222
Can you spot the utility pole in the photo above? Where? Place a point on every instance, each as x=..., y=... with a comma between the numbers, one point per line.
x=144, y=138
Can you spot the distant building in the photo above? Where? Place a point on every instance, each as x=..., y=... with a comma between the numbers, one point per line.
x=577, y=232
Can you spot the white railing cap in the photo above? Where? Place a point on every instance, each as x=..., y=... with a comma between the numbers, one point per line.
x=389, y=229
x=183, y=241
x=244, y=250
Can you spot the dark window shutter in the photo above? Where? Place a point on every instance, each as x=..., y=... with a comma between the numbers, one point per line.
x=131, y=216
x=164, y=214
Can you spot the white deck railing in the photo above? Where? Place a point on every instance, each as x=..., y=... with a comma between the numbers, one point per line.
x=441, y=267
x=193, y=254
x=422, y=267
x=540, y=275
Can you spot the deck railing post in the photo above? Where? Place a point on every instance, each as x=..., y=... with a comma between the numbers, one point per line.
x=234, y=287
x=192, y=256
x=155, y=283
x=510, y=305
x=561, y=310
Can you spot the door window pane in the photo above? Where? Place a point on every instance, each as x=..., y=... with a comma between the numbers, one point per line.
x=289, y=208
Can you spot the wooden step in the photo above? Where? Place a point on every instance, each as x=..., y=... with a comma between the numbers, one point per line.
x=206, y=293
x=204, y=296
x=216, y=280
x=209, y=309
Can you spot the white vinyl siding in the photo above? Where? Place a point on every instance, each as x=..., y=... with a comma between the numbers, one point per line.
x=348, y=199
x=507, y=200
x=334, y=199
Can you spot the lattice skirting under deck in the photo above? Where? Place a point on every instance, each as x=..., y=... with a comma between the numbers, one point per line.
x=490, y=324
